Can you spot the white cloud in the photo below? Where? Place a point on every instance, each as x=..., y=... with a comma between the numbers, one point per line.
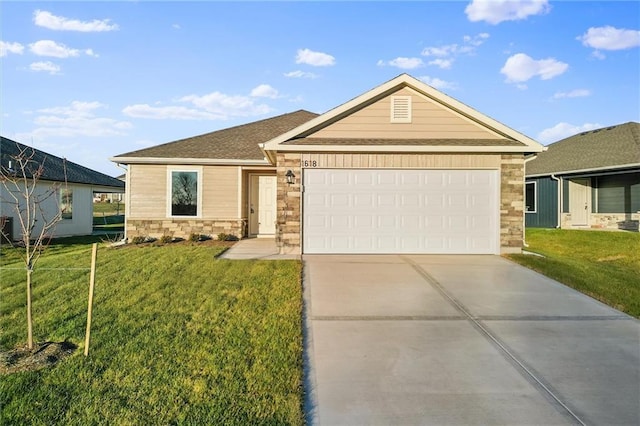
x=577, y=93
x=598, y=55
x=53, y=49
x=445, y=64
x=176, y=27
x=47, y=66
x=496, y=11
x=212, y=106
x=76, y=119
x=403, y=63
x=438, y=83
x=316, y=59
x=166, y=112
x=300, y=74
x=610, y=38
x=446, y=50
x=8, y=47
x=46, y=19
x=264, y=91
x=520, y=68
x=564, y=130
x=476, y=40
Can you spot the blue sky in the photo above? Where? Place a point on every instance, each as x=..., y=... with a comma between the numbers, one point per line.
x=91, y=80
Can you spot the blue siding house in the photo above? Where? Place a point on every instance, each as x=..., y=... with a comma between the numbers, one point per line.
x=590, y=180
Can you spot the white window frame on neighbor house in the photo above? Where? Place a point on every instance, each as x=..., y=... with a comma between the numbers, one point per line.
x=170, y=171
x=535, y=196
x=68, y=206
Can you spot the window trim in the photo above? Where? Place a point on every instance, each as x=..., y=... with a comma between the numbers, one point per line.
x=535, y=196
x=199, y=172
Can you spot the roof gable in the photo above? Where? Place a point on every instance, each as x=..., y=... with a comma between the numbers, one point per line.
x=606, y=148
x=443, y=108
x=57, y=169
x=238, y=143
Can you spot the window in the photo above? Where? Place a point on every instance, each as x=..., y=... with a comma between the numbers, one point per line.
x=184, y=193
x=66, y=203
x=530, y=197
x=401, y=109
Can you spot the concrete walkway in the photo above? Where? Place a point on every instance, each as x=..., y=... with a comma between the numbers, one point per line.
x=462, y=340
x=256, y=248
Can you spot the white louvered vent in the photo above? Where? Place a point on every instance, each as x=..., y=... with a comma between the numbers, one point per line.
x=401, y=109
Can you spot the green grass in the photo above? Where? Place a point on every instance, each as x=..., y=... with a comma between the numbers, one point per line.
x=604, y=265
x=178, y=338
x=107, y=208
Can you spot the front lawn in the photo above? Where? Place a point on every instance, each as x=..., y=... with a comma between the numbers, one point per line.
x=604, y=265
x=178, y=337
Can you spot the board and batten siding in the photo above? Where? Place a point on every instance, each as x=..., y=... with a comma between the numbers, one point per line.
x=546, y=214
x=429, y=120
x=401, y=161
x=148, y=192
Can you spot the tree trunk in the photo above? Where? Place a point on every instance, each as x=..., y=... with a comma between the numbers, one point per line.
x=29, y=321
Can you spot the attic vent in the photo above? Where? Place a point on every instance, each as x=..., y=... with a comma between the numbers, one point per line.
x=401, y=109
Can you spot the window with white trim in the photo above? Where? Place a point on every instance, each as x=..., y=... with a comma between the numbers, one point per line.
x=184, y=193
x=530, y=197
x=401, y=109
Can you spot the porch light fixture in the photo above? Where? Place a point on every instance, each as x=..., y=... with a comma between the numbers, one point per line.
x=290, y=177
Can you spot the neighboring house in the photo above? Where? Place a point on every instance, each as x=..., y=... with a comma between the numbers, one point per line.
x=402, y=168
x=74, y=199
x=110, y=197
x=590, y=180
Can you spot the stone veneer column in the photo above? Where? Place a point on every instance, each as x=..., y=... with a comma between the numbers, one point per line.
x=288, y=226
x=511, y=203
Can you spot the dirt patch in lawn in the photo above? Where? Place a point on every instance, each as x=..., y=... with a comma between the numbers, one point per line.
x=43, y=355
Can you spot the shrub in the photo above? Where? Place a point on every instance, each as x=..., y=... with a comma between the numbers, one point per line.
x=227, y=237
x=139, y=239
x=195, y=237
x=166, y=239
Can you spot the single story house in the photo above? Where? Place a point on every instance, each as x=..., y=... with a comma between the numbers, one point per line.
x=590, y=180
x=73, y=198
x=402, y=168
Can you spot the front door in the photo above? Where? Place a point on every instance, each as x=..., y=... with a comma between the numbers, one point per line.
x=262, y=205
x=580, y=201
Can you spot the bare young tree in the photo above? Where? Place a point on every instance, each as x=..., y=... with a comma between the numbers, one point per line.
x=26, y=197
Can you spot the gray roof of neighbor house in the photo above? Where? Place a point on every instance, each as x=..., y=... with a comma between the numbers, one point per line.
x=55, y=168
x=609, y=147
x=235, y=143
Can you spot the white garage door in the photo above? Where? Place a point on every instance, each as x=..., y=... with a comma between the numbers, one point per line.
x=400, y=211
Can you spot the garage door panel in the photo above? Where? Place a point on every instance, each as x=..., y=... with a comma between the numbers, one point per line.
x=400, y=211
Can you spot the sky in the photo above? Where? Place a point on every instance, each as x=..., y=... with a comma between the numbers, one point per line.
x=91, y=80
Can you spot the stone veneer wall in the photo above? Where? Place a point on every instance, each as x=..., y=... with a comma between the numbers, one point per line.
x=511, y=203
x=289, y=202
x=183, y=228
x=617, y=221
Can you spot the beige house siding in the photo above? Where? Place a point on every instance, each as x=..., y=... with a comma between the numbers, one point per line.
x=147, y=213
x=429, y=120
x=401, y=161
x=147, y=188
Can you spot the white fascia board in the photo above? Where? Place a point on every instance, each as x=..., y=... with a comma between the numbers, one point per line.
x=596, y=169
x=189, y=161
x=274, y=144
x=402, y=148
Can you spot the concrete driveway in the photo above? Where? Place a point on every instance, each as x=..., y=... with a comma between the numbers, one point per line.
x=458, y=340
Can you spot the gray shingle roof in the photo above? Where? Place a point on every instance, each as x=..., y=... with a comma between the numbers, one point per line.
x=235, y=143
x=612, y=146
x=54, y=167
x=410, y=142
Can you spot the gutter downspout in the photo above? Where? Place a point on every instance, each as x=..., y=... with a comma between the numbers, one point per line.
x=560, y=190
x=524, y=199
x=126, y=198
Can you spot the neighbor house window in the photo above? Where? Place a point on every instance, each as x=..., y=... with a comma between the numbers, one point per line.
x=184, y=193
x=530, y=197
x=66, y=203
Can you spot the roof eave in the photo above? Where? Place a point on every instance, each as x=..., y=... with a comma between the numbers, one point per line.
x=189, y=161
x=406, y=148
x=594, y=169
